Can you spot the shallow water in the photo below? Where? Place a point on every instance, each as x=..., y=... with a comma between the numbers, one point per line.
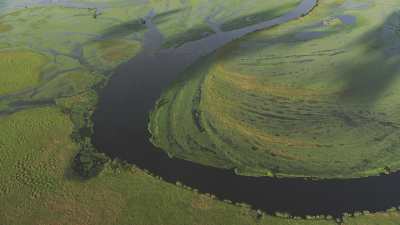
x=348, y=19
x=121, y=131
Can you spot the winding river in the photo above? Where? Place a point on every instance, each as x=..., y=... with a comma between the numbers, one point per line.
x=120, y=130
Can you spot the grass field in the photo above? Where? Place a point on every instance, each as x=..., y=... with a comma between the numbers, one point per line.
x=314, y=97
x=20, y=69
x=51, y=60
x=49, y=70
x=188, y=20
x=45, y=190
x=385, y=218
x=38, y=186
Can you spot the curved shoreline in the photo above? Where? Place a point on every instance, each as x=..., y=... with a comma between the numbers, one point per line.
x=120, y=131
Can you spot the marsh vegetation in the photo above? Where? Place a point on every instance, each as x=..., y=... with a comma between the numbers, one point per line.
x=56, y=56
x=313, y=97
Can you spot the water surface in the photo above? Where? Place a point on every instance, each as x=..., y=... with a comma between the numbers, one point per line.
x=121, y=131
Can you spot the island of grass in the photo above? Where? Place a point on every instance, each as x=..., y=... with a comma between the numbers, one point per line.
x=316, y=97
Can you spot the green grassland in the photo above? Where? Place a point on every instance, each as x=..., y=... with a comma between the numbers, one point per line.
x=20, y=69
x=391, y=217
x=179, y=21
x=38, y=186
x=52, y=59
x=110, y=53
x=186, y=20
x=315, y=97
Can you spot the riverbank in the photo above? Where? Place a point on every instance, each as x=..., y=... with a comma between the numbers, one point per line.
x=288, y=102
x=37, y=150
x=38, y=120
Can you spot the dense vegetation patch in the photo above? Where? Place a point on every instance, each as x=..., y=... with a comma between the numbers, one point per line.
x=107, y=54
x=315, y=97
x=5, y=27
x=20, y=69
x=188, y=20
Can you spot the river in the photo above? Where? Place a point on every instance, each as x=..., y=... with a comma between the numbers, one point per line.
x=120, y=130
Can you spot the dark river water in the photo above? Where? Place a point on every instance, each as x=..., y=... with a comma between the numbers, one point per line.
x=121, y=119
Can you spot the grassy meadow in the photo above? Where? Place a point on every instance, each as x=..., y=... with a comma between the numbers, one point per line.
x=20, y=70
x=53, y=59
x=188, y=20
x=311, y=98
x=39, y=187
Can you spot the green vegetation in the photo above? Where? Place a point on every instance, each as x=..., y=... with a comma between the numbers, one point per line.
x=19, y=69
x=391, y=217
x=39, y=187
x=51, y=67
x=5, y=27
x=313, y=97
x=252, y=12
x=187, y=20
x=52, y=61
x=107, y=54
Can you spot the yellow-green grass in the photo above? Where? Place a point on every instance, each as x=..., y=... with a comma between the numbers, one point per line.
x=241, y=14
x=63, y=29
x=110, y=53
x=5, y=27
x=20, y=69
x=37, y=186
x=67, y=84
x=391, y=217
x=36, y=151
x=183, y=21
x=186, y=21
x=63, y=32
x=315, y=97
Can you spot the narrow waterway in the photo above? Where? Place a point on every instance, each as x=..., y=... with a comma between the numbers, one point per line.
x=121, y=131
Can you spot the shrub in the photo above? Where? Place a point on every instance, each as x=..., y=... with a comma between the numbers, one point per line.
x=88, y=162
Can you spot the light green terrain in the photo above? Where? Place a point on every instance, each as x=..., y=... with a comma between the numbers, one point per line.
x=38, y=187
x=315, y=97
x=186, y=20
x=20, y=69
x=52, y=61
